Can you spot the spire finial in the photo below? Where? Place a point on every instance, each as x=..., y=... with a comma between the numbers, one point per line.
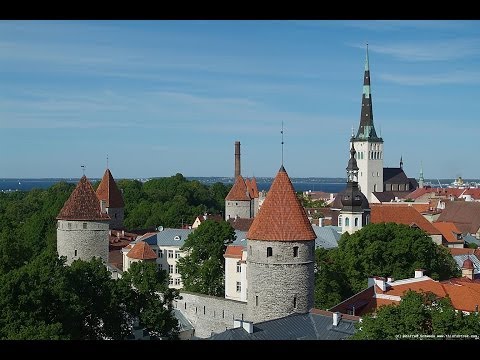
x=367, y=66
x=353, y=131
x=83, y=169
x=107, y=161
x=401, y=162
x=282, y=142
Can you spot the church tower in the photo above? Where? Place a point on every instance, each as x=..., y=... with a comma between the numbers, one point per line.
x=280, y=255
x=355, y=211
x=111, y=200
x=369, y=147
x=82, y=227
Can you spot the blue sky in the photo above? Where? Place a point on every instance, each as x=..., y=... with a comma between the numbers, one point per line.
x=161, y=97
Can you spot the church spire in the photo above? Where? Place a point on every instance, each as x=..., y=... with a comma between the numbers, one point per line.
x=366, y=130
x=352, y=167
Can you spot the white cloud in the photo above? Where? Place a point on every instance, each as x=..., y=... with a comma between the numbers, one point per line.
x=456, y=77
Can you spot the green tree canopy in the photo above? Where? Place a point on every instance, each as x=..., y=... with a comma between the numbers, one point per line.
x=384, y=249
x=203, y=268
x=418, y=316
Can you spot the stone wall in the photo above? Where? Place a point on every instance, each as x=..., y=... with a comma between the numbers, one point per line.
x=210, y=314
x=280, y=284
x=242, y=209
x=116, y=217
x=88, y=242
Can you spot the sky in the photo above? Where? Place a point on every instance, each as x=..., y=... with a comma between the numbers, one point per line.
x=161, y=97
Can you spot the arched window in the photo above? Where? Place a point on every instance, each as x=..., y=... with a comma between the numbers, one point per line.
x=356, y=221
x=340, y=221
x=269, y=251
x=347, y=222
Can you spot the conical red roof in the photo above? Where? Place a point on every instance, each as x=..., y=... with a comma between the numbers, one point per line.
x=108, y=191
x=281, y=216
x=142, y=251
x=238, y=191
x=82, y=204
x=253, y=185
x=467, y=264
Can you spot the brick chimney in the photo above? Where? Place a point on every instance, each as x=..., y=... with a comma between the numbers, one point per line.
x=237, y=159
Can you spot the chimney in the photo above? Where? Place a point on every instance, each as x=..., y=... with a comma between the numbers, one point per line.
x=123, y=232
x=390, y=279
x=380, y=282
x=103, y=205
x=336, y=318
x=237, y=159
x=418, y=273
x=246, y=325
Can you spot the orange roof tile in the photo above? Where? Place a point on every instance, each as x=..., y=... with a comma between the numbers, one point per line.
x=449, y=231
x=464, y=293
x=142, y=251
x=400, y=214
x=465, y=215
x=253, y=185
x=234, y=251
x=281, y=216
x=239, y=191
x=241, y=224
x=108, y=191
x=427, y=285
x=82, y=204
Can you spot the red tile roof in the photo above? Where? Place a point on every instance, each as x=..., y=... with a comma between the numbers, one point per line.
x=239, y=191
x=142, y=251
x=464, y=251
x=464, y=293
x=449, y=231
x=234, y=251
x=82, y=204
x=464, y=214
x=254, y=187
x=281, y=216
x=108, y=191
x=400, y=214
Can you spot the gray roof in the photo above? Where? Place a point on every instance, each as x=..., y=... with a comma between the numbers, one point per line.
x=327, y=236
x=183, y=323
x=471, y=239
x=177, y=237
x=293, y=327
x=459, y=259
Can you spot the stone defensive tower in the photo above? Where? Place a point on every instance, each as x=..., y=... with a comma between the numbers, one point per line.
x=111, y=200
x=82, y=228
x=280, y=255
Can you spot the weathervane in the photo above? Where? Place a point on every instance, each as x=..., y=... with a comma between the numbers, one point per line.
x=83, y=169
x=282, y=142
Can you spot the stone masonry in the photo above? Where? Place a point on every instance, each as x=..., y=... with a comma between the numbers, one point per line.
x=116, y=217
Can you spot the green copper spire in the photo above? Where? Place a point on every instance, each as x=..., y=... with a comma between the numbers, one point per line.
x=366, y=130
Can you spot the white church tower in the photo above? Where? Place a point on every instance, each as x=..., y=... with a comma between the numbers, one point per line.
x=369, y=147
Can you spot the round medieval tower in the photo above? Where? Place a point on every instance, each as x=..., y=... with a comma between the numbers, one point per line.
x=280, y=255
x=82, y=228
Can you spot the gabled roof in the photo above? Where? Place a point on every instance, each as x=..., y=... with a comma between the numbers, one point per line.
x=108, y=191
x=394, y=176
x=449, y=231
x=83, y=204
x=389, y=196
x=464, y=214
x=239, y=191
x=401, y=214
x=142, y=251
x=281, y=216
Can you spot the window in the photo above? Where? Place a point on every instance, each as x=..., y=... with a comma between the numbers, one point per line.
x=170, y=281
x=185, y=306
x=367, y=219
x=177, y=281
x=176, y=270
x=347, y=222
x=374, y=187
x=256, y=300
x=170, y=254
x=204, y=310
x=84, y=225
x=239, y=267
x=160, y=266
x=295, y=251
x=160, y=253
x=378, y=174
x=170, y=269
x=115, y=215
x=269, y=251
x=294, y=302
x=339, y=221
x=69, y=226
x=239, y=286
x=356, y=221
x=75, y=252
x=177, y=254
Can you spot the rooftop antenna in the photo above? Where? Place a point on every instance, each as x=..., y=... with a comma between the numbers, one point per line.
x=282, y=142
x=83, y=169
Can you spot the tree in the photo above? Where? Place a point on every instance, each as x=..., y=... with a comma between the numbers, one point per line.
x=417, y=316
x=377, y=250
x=203, y=268
x=143, y=294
